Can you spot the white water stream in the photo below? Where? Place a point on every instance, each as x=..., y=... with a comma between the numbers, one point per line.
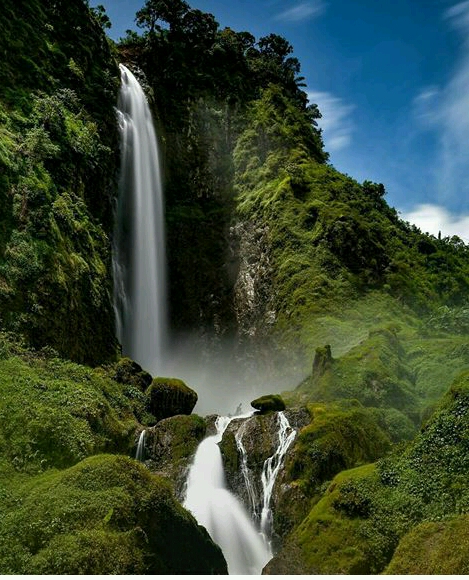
x=140, y=453
x=139, y=260
x=221, y=512
x=271, y=470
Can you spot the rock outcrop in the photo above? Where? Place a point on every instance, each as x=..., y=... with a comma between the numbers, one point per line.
x=258, y=436
x=322, y=361
x=170, y=446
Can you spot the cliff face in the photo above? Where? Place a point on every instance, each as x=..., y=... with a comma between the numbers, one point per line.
x=58, y=171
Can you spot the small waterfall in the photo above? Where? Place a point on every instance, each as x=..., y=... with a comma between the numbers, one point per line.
x=220, y=511
x=247, y=475
x=139, y=241
x=140, y=453
x=271, y=469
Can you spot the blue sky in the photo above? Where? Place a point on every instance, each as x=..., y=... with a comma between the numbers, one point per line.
x=391, y=78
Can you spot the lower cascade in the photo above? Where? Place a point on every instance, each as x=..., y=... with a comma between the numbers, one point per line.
x=140, y=453
x=246, y=548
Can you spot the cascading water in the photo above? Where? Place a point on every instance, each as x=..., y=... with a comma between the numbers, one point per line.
x=219, y=510
x=140, y=306
x=271, y=470
x=247, y=475
x=140, y=453
x=139, y=247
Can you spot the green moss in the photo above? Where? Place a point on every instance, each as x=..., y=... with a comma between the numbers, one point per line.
x=55, y=413
x=433, y=548
x=326, y=542
x=76, y=519
x=268, y=403
x=336, y=439
x=58, y=179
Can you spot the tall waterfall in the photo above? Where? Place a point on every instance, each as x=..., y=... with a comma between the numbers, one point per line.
x=139, y=246
x=219, y=510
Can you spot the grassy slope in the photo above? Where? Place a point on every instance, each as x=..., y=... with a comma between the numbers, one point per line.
x=411, y=501
x=64, y=504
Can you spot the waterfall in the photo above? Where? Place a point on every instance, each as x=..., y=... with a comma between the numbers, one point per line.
x=271, y=469
x=247, y=475
x=140, y=453
x=139, y=240
x=221, y=512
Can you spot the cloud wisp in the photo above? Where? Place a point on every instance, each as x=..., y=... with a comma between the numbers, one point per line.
x=302, y=11
x=446, y=110
x=336, y=123
x=433, y=219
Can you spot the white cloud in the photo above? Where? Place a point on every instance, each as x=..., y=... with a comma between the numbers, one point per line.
x=302, y=11
x=427, y=106
x=335, y=122
x=433, y=219
x=446, y=111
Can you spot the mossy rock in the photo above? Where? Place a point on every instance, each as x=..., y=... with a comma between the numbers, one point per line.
x=171, y=444
x=105, y=515
x=168, y=397
x=326, y=541
x=268, y=403
x=128, y=372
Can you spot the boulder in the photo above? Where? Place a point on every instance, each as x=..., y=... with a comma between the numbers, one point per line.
x=168, y=397
x=171, y=445
x=128, y=372
x=268, y=403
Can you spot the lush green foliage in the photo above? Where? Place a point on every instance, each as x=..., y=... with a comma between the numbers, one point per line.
x=58, y=144
x=368, y=514
x=105, y=515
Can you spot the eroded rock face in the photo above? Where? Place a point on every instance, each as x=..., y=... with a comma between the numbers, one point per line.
x=168, y=397
x=258, y=435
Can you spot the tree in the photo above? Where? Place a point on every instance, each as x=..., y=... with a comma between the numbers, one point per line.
x=99, y=14
x=169, y=11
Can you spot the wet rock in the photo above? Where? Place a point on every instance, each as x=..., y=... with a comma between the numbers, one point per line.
x=259, y=436
x=170, y=446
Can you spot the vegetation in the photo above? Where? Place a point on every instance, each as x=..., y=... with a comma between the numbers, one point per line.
x=58, y=139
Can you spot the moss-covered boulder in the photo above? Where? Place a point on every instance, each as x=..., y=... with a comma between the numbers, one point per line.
x=268, y=403
x=129, y=372
x=168, y=397
x=105, y=515
x=170, y=445
x=327, y=541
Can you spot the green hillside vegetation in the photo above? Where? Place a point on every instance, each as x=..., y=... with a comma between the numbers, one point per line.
x=58, y=168
x=408, y=501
